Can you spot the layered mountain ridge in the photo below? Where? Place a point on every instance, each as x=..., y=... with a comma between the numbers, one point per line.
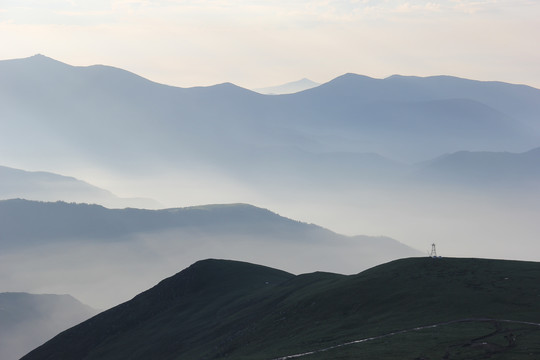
x=100, y=100
x=47, y=186
x=337, y=155
x=112, y=254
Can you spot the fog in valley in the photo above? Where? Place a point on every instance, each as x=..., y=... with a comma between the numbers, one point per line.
x=339, y=177
x=27, y=321
x=104, y=257
x=469, y=221
x=491, y=220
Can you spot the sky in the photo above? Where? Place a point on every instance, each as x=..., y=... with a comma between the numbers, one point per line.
x=256, y=43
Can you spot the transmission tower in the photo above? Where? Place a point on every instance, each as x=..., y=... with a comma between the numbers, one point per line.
x=433, y=252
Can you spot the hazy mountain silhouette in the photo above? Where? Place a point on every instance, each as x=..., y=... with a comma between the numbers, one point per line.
x=46, y=186
x=219, y=308
x=335, y=154
x=72, y=109
x=408, y=117
x=61, y=247
x=492, y=169
x=28, y=320
x=288, y=88
x=32, y=221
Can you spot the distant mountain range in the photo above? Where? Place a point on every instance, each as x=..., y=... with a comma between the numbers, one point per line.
x=288, y=88
x=89, y=250
x=407, y=309
x=494, y=169
x=464, y=169
x=225, y=139
x=28, y=320
x=46, y=186
x=435, y=159
x=75, y=114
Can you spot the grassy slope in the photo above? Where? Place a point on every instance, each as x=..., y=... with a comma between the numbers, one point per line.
x=221, y=308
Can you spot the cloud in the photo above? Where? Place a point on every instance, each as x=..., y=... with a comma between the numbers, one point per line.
x=272, y=12
x=80, y=13
x=422, y=8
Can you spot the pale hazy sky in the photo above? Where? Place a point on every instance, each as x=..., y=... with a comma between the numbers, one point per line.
x=256, y=43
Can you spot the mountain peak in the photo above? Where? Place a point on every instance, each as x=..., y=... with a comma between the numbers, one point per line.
x=354, y=76
x=288, y=88
x=42, y=59
x=212, y=276
x=350, y=78
x=40, y=56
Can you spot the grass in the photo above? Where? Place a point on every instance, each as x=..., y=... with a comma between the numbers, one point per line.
x=471, y=340
x=218, y=309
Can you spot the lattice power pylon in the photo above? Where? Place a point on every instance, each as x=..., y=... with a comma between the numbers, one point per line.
x=433, y=252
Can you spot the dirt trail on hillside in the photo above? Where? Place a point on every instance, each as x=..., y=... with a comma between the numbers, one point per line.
x=404, y=332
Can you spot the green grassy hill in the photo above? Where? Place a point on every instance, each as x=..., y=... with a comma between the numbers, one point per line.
x=218, y=308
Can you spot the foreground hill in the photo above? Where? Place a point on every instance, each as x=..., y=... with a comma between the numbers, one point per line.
x=216, y=308
x=28, y=320
x=106, y=256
